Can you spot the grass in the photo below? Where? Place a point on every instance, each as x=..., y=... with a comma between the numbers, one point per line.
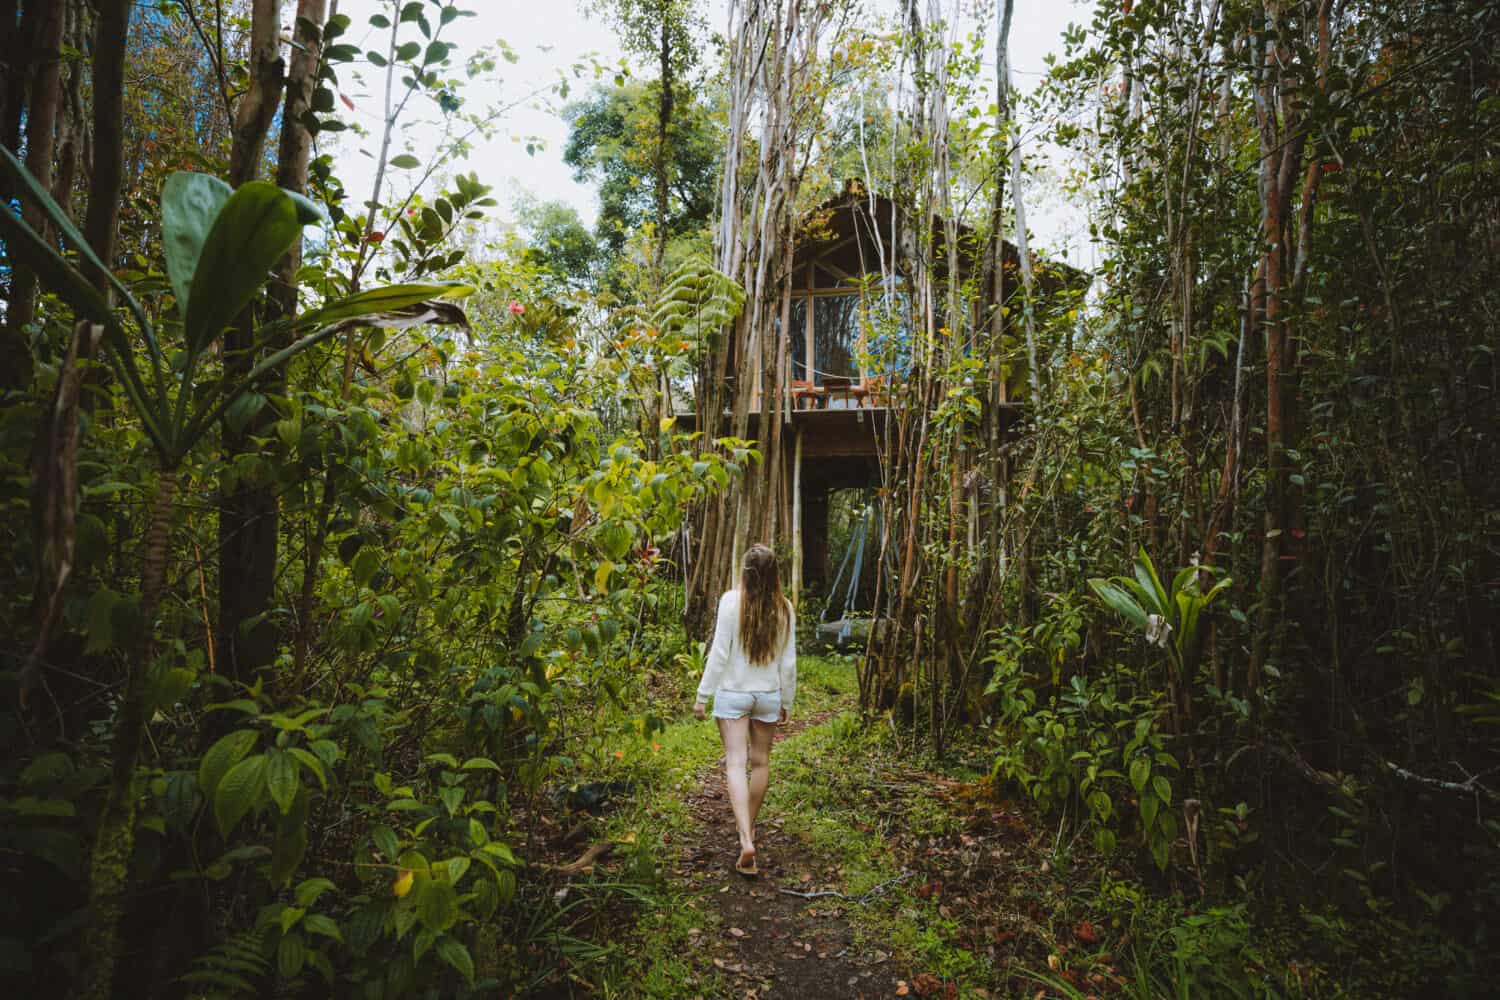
x=659, y=956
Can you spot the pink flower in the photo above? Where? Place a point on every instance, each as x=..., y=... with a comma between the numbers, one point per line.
x=516, y=309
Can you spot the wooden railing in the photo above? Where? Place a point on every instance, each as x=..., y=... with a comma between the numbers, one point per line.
x=838, y=392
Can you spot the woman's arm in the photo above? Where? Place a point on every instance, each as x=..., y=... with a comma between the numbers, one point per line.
x=786, y=667
x=718, y=654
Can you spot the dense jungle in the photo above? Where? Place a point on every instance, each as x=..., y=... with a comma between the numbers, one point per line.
x=364, y=518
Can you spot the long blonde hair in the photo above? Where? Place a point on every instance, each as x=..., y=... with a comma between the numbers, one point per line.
x=765, y=615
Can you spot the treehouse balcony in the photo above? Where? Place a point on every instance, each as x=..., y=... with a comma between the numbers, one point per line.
x=842, y=334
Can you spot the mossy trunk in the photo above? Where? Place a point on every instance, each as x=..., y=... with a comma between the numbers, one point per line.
x=114, y=838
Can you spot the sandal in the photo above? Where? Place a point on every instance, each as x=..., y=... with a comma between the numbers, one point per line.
x=749, y=870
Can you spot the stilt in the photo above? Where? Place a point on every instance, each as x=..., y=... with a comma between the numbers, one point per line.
x=797, y=518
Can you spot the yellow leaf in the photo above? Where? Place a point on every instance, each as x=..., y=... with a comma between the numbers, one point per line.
x=601, y=576
x=402, y=884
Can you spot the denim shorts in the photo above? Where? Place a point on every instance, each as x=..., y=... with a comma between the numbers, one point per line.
x=762, y=706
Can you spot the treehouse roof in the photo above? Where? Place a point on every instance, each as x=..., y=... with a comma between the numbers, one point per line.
x=845, y=238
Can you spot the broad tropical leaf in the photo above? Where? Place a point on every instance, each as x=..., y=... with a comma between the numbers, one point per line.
x=223, y=755
x=238, y=791
x=384, y=300
x=1120, y=601
x=255, y=227
x=1145, y=574
x=189, y=204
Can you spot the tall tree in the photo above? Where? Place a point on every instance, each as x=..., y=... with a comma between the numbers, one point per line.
x=662, y=30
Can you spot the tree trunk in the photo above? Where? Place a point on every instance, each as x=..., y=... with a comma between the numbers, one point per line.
x=103, y=216
x=248, y=516
x=41, y=124
x=114, y=838
x=663, y=124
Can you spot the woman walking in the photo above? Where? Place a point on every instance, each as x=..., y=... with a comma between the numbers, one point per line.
x=752, y=674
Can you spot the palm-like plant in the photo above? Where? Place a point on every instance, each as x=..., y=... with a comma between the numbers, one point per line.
x=221, y=243
x=1167, y=617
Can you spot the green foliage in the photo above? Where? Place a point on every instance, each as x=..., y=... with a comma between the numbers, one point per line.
x=249, y=231
x=611, y=142
x=697, y=305
x=1168, y=618
x=560, y=243
x=1087, y=753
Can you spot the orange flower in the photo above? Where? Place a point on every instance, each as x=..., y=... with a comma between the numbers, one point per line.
x=620, y=754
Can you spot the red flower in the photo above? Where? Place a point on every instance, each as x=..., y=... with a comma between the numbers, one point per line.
x=516, y=309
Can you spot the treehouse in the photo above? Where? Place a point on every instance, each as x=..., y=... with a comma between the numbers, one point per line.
x=836, y=349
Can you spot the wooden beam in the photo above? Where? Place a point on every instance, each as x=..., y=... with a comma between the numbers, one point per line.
x=830, y=248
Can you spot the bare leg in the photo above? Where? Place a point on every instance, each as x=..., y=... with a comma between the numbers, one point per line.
x=736, y=736
x=761, y=736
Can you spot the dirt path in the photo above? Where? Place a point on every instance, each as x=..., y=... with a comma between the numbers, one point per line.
x=769, y=942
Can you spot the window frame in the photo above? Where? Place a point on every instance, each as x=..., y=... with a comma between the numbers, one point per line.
x=861, y=290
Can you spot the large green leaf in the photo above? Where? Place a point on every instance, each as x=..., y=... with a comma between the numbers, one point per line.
x=1188, y=606
x=1145, y=574
x=378, y=300
x=223, y=755
x=281, y=778
x=309, y=212
x=291, y=955
x=438, y=906
x=452, y=951
x=1120, y=601
x=189, y=204
x=238, y=791
x=255, y=227
x=290, y=845
x=25, y=247
x=1183, y=580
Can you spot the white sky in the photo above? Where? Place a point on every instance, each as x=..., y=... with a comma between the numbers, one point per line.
x=550, y=36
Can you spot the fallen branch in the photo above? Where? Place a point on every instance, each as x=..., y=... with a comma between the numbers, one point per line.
x=585, y=860
x=861, y=898
x=1470, y=787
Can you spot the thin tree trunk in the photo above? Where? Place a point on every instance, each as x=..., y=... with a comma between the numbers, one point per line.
x=41, y=135
x=248, y=516
x=663, y=126
x=102, y=221
x=257, y=107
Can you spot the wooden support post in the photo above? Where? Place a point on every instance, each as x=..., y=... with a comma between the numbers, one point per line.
x=797, y=518
x=737, y=548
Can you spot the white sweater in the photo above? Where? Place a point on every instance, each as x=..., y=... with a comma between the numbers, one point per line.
x=728, y=667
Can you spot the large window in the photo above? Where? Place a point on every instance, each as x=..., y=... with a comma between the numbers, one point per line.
x=850, y=335
x=835, y=337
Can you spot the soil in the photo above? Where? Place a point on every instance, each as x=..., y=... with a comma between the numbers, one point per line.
x=770, y=942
